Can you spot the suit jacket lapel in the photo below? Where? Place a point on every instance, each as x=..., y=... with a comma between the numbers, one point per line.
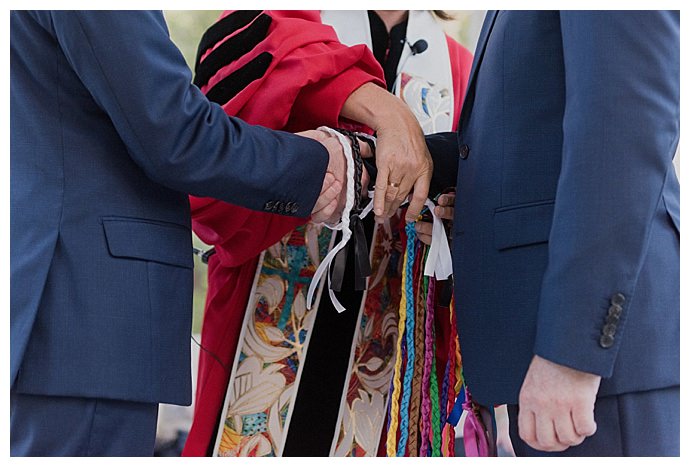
x=489, y=21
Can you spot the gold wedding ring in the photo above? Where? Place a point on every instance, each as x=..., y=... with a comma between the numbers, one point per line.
x=394, y=184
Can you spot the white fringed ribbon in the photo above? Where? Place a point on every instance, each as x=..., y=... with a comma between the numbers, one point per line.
x=439, y=262
x=343, y=225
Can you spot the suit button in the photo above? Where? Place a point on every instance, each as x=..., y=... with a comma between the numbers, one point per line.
x=294, y=209
x=464, y=151
x=279, y=207
x=618, y=299
x=268, y=206
x=610, y=319
x=615, y=311
x=606, y=341
x=609, y=330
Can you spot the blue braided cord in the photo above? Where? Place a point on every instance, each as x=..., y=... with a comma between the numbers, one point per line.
x=454, y=416
x=409, y=340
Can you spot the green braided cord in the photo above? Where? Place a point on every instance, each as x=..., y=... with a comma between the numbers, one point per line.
x=435, y=412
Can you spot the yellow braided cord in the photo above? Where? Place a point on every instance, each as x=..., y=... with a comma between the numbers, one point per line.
x=395, y=397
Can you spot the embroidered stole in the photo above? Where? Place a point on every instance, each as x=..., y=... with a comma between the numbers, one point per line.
x=274, y=340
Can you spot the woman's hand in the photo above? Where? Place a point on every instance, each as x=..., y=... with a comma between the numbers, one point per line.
x=402, y=158
x=445, y=210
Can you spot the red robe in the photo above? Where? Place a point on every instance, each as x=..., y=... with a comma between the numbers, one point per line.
x=305, y=86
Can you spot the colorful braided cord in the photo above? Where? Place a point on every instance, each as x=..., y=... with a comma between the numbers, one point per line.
x=402, y=315
x=409, y=340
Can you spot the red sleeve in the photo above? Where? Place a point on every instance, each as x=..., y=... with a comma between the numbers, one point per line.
x=461, y=64
x=309, y=79
x=309, y=109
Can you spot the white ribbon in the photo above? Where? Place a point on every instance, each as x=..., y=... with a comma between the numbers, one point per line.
x=343, y=225
x=439, y=262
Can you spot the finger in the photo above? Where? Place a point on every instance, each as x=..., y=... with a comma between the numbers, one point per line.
x=583, y=421
x=325, y=214
x=419, y=196
x=446, y=199
x=394, y=205
x=444, y=213
x=392, y=192
x=327, y=211
x=380, y=191
x=365, y=182
x=546, y=434
x=424, y=228
x=330, y=191
x=396, y=193
x=426, y=239
x=565, y=430
x=527, y=427
x=327, y=192
x=365, y=149
x=394, y=202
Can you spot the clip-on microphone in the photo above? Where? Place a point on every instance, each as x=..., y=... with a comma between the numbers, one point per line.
x=417, y=48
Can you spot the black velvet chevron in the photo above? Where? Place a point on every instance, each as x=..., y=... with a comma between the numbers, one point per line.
x=232, y=49
x=232, y=84
x=224, y=28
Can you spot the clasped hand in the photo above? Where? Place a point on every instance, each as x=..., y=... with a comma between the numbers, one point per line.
x=403, y=161
x=331, y=201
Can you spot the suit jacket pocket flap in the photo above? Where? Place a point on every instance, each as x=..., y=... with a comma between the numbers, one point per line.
x=522, y=225
x=150, y=240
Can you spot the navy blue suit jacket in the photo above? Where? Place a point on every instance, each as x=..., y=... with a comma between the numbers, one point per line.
x=107, y=138
x=567, y=197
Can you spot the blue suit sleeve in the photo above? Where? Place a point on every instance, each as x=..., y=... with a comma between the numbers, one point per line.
x=139, y=78
x=620, y=132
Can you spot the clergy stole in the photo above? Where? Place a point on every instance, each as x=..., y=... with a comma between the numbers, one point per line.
x=275, y=342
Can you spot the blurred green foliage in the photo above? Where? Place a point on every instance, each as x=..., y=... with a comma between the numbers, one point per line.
x=186, y=28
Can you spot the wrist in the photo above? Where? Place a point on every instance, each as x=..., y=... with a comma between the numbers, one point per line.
x=565, y=369
x=374, y=107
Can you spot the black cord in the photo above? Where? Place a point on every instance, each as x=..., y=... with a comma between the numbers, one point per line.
x=216, y=358
x=357, y=159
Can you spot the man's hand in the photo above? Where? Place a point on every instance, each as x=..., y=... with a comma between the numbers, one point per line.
x=402, y=158
x=331, y=201
x=445, y=210
x=556, y=406
x=325, y=209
